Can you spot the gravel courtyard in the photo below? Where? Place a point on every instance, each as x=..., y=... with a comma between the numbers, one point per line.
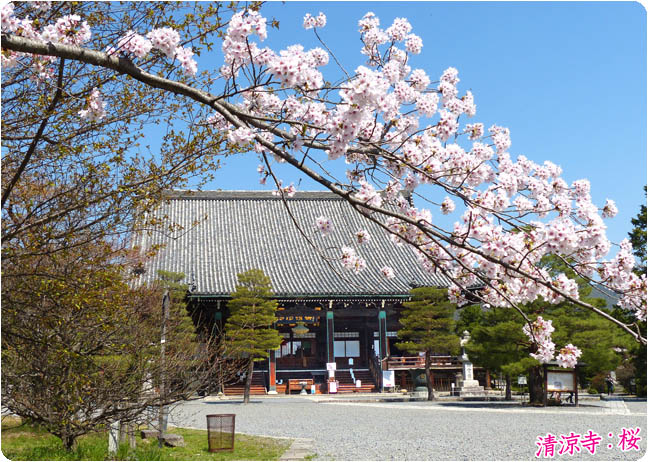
x=444, y=430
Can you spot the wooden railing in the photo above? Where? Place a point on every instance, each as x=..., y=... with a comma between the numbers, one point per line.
x=418, y=362
x=376, y=370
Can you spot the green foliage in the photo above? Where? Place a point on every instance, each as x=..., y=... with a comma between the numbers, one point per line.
x=639, y=362
x=178, y=313
x=77, y=339
x=427, y=323
x=28, y=442
x=497, y=341
x=638, y=240
x=638, y=237
x=80, y=346
x=252, y=314
x=595, y=336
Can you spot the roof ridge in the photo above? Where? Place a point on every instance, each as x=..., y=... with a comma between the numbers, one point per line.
x=246, y=195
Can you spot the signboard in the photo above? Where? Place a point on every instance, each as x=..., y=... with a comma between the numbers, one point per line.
x=333, y=387
x=560, y=381
x=294, y=319
x=522, y=380
x=330, y=366
x=389, y=379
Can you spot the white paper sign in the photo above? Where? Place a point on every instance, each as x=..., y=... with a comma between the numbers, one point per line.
x=388, y=379
x=560, y=381
x=330, y=366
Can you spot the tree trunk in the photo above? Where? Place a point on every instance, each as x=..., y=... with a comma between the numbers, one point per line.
x=69, y=442
x=508, y=396
x=536, y=386
x=248, y=381
x=428, y=376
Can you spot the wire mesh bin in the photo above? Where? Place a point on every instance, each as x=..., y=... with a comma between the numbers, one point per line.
x=220, y=432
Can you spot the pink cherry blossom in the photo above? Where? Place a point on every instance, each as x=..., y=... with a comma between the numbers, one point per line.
x=95, y=109
x=42, y=5
x=288, y=191
x=609, y=209
x=368, y=22
x=426, y=104
x=540, y=334
x=185, y=56
x=70, y=30
x=164, y=39
x=413, y=44
x=568, y=356
x=241, y=136
x=362, y=236
x=351, y=260
x=386, y=119
x=399, y=29
x=9, y=22
x=475, y=131
x=218, y=121
x=324, y=225
x=311, y=21
x=135, y=44
x=388, y=272
x=447, y=206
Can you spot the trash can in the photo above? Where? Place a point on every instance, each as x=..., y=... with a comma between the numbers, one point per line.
x=220, y=432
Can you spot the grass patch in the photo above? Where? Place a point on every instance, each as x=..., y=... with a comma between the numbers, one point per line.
x=28, y=442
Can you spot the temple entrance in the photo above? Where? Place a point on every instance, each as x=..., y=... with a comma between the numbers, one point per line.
x=299, y=352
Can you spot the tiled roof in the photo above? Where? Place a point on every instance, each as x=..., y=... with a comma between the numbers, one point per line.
x=228, y=232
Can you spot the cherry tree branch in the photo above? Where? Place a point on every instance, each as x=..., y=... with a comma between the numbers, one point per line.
x=37, y=136
x=240, y=118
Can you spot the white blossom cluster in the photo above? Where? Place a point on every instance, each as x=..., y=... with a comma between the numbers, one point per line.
x=399, y=131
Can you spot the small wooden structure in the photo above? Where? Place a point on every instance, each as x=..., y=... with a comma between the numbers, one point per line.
x=299, y=385
x=560, y=380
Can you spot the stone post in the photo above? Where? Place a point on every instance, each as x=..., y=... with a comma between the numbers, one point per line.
x=113, y=438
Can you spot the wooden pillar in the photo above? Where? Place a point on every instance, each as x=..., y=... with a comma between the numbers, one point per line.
x=576, y=383
x=272, y=373
x=544, y=391
x=382, y=333
x=217, y=326
x=488, y=380
x=330, y=335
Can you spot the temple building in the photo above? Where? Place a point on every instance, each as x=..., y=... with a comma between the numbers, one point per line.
x=327, y=314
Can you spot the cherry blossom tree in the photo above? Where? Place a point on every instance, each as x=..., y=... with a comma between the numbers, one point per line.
x=400, y=132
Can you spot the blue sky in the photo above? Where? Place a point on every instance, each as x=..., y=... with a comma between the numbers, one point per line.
x=568, y=79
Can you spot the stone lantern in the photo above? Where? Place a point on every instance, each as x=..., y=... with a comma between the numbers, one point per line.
x=468, y=387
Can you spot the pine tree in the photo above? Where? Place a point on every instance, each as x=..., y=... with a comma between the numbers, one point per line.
x=498, y=344
x=638, y=237
x=178, y=314
x=248, y=329
x=428, y=325
x=638, y=240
